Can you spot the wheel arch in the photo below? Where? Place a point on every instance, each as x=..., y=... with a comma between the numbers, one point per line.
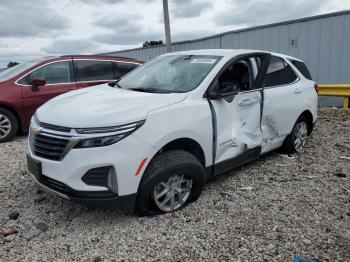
x=187, y=144
x=14, y=112
x=309, y=120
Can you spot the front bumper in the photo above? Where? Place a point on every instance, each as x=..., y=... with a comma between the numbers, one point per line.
x=91, y=199
x=65, y=177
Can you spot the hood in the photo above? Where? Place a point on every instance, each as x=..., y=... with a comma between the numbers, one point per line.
x=103, y=106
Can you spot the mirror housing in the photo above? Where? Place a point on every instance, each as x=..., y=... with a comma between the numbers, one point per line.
x=37, y=82
x=226, y=89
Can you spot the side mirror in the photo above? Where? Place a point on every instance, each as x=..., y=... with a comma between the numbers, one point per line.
x=37, y=82
x=226, y=89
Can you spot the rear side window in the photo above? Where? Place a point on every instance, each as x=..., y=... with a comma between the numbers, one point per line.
x=88, y=70
x=291, y=76
x=55, y=73
x=302, y=69
x=279, y=73
x=122, y=69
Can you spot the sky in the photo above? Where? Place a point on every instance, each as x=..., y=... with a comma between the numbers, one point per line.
x=39, y=28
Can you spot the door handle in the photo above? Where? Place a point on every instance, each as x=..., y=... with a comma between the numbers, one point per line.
x=246, y=102
x=297, y=90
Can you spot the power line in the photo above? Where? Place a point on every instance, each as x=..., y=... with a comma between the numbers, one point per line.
x=49, y=22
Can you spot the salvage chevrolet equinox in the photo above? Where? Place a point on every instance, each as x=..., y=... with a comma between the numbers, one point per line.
x=149, y=142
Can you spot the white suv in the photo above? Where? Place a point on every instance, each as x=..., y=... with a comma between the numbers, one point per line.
x=150, y=141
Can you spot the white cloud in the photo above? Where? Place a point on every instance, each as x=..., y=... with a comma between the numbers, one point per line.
x=89, y=26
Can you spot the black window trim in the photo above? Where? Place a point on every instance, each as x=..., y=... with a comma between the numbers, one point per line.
x=292, y=83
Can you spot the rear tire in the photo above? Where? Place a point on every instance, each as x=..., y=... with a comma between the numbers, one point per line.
x=295, y=141
x=8, y=125
x=172, y=180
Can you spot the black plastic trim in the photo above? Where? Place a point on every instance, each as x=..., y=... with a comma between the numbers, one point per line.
x=247, y=156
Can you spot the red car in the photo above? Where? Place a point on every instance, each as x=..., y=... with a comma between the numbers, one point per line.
x=27, y=86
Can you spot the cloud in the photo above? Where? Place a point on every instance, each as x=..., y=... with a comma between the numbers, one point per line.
x=252, y=12
x=76, y=46
x=124, y=30
x=111, y=2
x=189, y=8
x=94, y=2
x=23, y=19
x=17, y=54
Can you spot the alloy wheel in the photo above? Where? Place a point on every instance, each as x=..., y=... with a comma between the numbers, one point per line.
x=5, y=126
x=173, y=193
x=299, y=136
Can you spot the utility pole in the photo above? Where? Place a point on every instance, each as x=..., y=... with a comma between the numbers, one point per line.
x=167, y=26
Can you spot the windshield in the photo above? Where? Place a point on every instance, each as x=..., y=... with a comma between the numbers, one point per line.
x=170, y=74
x=13, y=71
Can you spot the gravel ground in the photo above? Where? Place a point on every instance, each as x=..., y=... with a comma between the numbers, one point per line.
x=295, y=207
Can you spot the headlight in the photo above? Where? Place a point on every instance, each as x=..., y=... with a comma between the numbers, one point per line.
x=106, y=135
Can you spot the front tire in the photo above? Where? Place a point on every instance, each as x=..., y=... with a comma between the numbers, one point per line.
x=172, y=180
x=8, y=125
x=295, y=141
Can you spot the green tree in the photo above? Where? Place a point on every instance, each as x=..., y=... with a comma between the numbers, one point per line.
x=152, y=43
x=11, y=64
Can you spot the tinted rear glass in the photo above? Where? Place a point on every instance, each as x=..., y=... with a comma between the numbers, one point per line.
x=279, y=73
x=88, y=70
x=302, y=69
x=276, y=74
x=291, y=76
x=122, y=69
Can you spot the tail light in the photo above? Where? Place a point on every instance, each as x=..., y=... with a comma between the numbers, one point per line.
x=316, y=88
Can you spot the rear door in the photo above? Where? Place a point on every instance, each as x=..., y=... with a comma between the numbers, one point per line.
x=93, y=72
x=59, y=79
x=238, y=118
x=283, y=99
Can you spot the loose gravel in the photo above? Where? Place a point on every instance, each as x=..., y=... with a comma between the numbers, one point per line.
x=273, y=209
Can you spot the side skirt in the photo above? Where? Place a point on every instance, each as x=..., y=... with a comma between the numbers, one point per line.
x=226, y=165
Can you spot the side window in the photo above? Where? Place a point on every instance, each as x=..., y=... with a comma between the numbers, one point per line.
x=123, y=68
x=241, y=73
x=55, y=73
x=291, y=76
x=89, y=70
x=279, y=73
x=302, y=69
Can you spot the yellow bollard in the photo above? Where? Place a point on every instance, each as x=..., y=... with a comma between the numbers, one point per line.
x=346, y=102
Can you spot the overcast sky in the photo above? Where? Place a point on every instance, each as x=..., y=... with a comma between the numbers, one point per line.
x=37, y=28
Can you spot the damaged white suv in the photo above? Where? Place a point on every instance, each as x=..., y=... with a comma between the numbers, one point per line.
x=150, y=141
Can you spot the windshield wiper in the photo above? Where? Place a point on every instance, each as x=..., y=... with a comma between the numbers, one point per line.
x=114, y=83
x=150, y=90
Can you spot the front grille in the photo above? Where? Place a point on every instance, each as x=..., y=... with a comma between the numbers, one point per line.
x=49, y=146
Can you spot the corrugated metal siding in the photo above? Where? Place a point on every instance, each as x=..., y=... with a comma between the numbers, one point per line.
x=321, y=41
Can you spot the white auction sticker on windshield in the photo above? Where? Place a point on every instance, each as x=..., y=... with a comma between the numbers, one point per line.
x=203, y=60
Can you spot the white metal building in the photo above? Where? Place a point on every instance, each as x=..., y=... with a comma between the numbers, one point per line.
x=322, y=41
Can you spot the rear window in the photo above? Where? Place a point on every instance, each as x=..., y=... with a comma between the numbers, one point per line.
x=302, y=68
x=89, y=70
x=279, y=73
x=121, y=69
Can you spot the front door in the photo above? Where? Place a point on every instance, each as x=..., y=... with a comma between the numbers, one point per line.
x=237, y=118
x=59, y=79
